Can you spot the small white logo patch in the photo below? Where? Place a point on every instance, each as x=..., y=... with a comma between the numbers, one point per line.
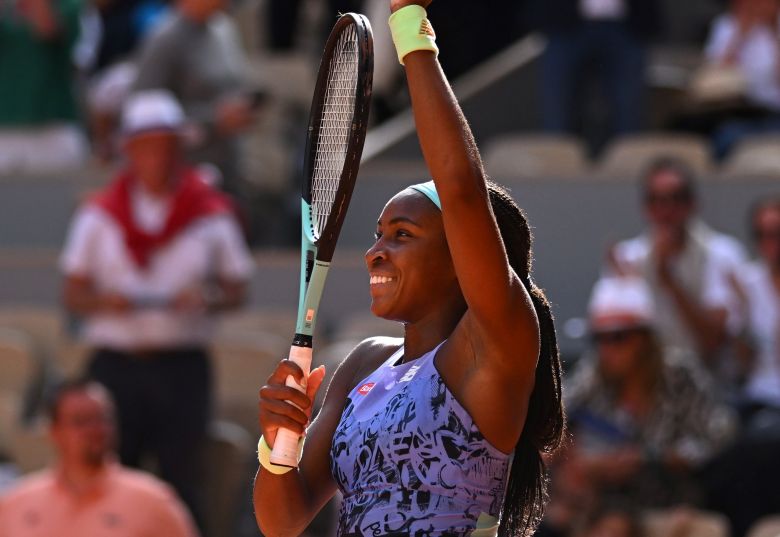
x=410, y=374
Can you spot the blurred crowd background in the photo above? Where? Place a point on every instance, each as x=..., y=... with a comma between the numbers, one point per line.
x=641, y=136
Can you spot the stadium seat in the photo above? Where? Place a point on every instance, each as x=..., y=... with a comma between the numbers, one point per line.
x=30, y=447
x=70, y=358
x=765, y=527
x=685, y=522
x=756, y=156
x=257, y=325
x=240, y=369
x=229, y=450
x=20, y=381
x=19, y=375
x=43, y=324
x=534, y=155
x=629, y=155
x=18, y=363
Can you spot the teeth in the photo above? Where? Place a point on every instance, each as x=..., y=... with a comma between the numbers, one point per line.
x=380, y=279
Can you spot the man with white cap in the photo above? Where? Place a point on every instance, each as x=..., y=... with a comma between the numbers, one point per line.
x=147, y=262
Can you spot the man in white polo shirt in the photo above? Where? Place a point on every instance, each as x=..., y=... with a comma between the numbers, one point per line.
x=147, y=263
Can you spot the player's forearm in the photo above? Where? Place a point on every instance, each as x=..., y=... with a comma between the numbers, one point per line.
x=282, y=504
x=445, y=137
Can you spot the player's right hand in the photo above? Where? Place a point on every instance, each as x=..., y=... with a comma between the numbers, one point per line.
x=284, y=406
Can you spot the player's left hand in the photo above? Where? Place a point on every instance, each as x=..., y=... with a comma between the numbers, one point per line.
x=395, y=5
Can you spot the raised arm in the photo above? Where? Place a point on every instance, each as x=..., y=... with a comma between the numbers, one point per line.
x=496, y=298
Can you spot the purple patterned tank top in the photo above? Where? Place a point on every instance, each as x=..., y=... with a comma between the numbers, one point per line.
x=409, y=460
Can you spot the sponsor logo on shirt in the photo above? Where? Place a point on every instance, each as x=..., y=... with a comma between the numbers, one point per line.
x=365, y=388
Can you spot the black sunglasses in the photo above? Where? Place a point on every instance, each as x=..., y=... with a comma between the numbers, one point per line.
x=672, y=198
x=613, y=336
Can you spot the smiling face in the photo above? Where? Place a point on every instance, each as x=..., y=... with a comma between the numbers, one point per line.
x=410, y=268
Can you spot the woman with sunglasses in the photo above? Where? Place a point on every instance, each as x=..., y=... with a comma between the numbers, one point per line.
x=640, y=414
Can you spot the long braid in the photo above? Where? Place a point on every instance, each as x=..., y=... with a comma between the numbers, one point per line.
x=526, y=491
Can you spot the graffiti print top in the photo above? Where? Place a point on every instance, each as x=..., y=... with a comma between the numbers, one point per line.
x=409, y=460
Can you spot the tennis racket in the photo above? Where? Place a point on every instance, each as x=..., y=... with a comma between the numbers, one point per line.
x=337, y=130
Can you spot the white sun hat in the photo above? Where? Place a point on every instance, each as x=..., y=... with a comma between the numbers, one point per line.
x=152, y=111
x=619, y=303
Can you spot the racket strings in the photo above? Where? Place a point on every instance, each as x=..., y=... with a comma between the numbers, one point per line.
x=335, y=127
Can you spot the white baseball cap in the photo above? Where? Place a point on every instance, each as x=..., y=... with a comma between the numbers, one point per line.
x=619, y=303
x=151, y=111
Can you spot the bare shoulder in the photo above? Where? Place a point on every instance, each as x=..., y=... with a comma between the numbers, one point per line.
x=367, y=356
x=142, y=484
x=31, y=486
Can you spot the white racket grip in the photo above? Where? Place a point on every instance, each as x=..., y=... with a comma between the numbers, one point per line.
x=285, y=450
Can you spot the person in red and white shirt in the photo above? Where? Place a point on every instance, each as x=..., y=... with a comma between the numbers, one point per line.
x=86, y=492
x=148, y=261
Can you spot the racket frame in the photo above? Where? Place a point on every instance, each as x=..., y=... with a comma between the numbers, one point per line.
x=317, y=252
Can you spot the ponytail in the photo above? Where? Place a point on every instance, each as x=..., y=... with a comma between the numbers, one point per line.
x=526, y=491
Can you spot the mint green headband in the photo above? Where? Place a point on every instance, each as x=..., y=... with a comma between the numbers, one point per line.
x=429, y=191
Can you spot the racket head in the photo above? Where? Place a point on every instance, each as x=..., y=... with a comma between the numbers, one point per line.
x=337, y=130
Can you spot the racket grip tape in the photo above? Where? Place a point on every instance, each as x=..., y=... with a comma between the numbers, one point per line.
x=285, y=450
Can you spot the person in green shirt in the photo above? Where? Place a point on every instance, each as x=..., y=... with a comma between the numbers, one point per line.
x=38, y=112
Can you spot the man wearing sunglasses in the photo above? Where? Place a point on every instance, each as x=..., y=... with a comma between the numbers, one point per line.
x=688, y=266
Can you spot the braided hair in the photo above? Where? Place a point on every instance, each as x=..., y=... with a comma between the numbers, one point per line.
x=544, y=427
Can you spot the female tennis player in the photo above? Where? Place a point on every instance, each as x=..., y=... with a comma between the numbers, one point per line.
x=440, y=433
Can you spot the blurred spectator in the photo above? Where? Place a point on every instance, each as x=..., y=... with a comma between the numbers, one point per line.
x=282, y=21
x=687, y=265
x=38, y=116
x=147, y=263
x=642, y=417
x=606, y=37
x=490, y=24
x=106, y=93
x=745, y=39
x=283, y=18
x=86, y=493
x=613, y=521
x=761, y=284
x=124, y=23
x=196, y=54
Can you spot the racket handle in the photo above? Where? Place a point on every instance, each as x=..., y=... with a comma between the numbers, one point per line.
x=285, y=450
